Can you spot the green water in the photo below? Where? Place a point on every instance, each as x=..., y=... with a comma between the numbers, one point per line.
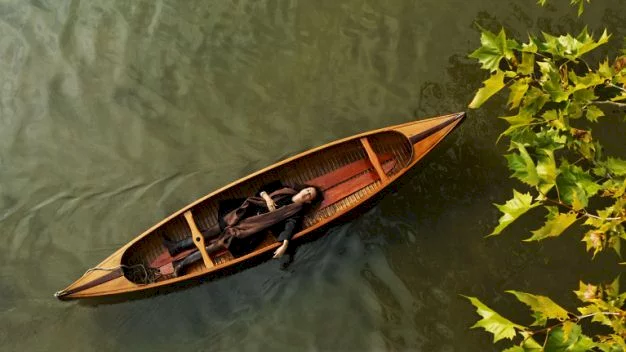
x=114, y=114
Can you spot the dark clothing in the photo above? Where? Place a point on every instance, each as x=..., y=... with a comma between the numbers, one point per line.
x=236, y=228
x=239, y=239
x=253, y=216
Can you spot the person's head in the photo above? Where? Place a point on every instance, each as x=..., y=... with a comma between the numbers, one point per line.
x=306, y=195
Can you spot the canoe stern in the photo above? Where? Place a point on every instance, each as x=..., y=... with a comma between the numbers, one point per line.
x=424, y=135
x=106, y=278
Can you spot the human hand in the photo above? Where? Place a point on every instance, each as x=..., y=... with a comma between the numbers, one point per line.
x=271, y=206
x=280, y=251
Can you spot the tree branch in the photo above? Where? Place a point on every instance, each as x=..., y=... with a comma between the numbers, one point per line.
x=613, y=103
x=582, y=212
x=618, y=87
x=574, y=318
x=597, y=313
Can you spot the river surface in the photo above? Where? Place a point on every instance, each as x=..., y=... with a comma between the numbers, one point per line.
x=114, y=114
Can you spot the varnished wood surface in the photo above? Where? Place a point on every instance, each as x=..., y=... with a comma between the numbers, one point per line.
x=147, y=247
x=198, y=240
x=373, y=158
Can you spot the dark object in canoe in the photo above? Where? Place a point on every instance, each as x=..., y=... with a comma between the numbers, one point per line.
x=349, y=171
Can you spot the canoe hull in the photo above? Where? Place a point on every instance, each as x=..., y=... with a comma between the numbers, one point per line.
x=406, y=143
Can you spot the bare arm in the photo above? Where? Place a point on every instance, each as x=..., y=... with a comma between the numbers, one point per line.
x=268, y=200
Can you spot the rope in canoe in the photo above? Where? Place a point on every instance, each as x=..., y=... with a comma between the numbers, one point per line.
x=121, y=266
x=149, y=276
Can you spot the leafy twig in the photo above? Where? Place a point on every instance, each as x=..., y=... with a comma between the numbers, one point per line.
x=574, y=318
x=618, y=87
x=614, y=103
x=597, y=313
x=582, y=212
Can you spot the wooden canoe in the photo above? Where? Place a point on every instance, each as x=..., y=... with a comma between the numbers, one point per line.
x=349, y=171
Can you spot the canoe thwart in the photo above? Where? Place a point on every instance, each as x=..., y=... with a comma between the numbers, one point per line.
x=198, y=239
x=374, y=159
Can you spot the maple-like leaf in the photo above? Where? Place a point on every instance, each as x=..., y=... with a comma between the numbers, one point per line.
x=518, y=90
x=616, y=166
x=552, y=82
x=513, y=209
x=546, y=169
x=522, y=165
x=571, y=48
x=492, y=322
x=534, y=100
x=575, y=341
x=518, y=121
x=555, y=224
x=587, y=292
x=493, y=49
x=593, y=113
x=490, y=87
x=575, y=186
x=594, y=240
x=543, y=307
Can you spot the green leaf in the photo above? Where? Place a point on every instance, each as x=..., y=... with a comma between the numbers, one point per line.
x=522, y=165
x=590, y=80
x=518, y=90
x=614, y=187
x=612, y=289
x=493, y=49
x=527, y=66
x=568, y=47
x=528, y=345
x=568, y=327
x=555, y=224
x=575, y=186
x=491, y=86
x=596, y=311
x=551, y=81
x=513, y=209
x=586, y=292
x=546, y=169
x=576, y=341
x=492, y=322
x=593, y=113
x=586, y=42
x=615, y=242
x=616, y=166
x=581, y=6
x=594, y=240
x=613, y=343
x=605, y=70
x=534, y=100
x=520, y=120
x=584, y=96
x=543, y=307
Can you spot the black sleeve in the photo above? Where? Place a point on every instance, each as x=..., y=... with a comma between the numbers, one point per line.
x=290, y=228
x=271, y=187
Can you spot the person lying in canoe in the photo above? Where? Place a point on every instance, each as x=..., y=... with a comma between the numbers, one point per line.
x=277, y=207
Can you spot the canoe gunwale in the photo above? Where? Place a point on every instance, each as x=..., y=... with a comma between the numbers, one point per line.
x=131, y=286
x=237, y=182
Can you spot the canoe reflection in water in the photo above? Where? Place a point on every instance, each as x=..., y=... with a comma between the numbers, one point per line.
x=276, y=208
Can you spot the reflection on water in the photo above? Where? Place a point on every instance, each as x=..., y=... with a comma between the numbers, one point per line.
x=116, y=113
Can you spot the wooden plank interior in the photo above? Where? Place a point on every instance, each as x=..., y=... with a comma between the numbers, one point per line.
x=332, y=163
